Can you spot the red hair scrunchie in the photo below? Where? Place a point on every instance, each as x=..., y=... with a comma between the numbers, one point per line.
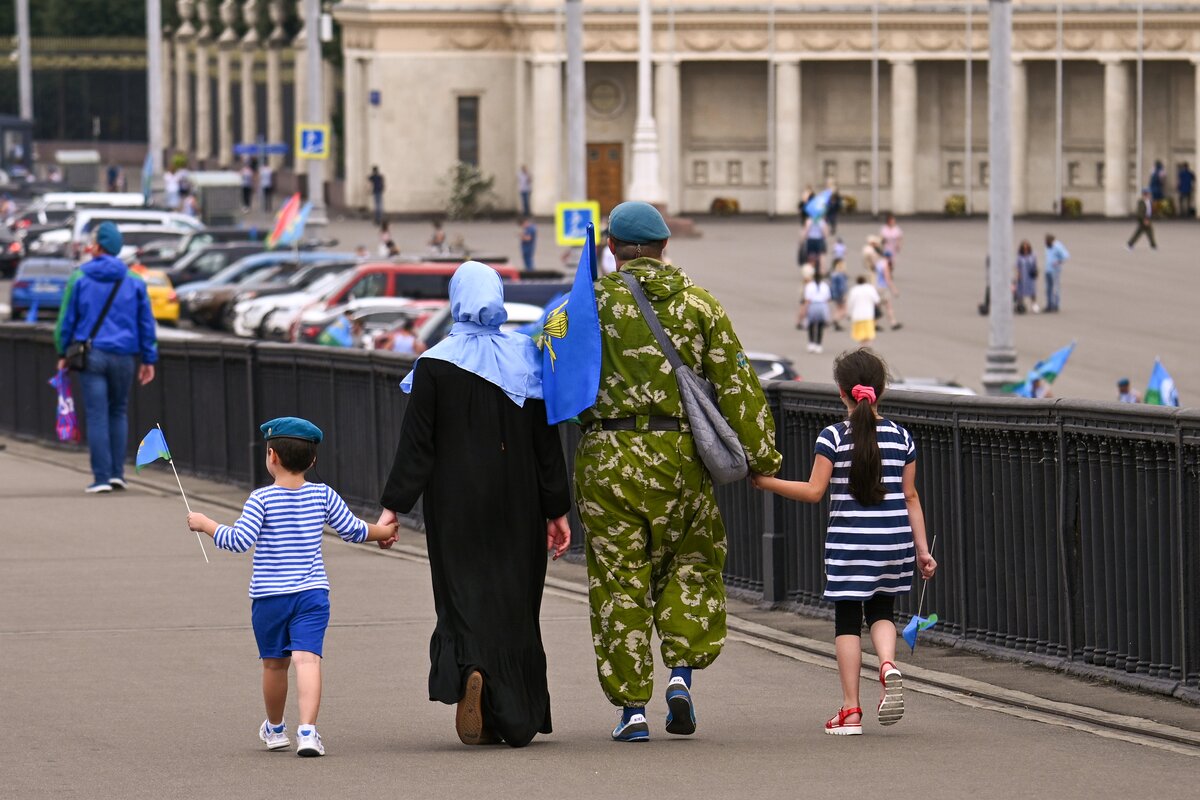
x=860, y=393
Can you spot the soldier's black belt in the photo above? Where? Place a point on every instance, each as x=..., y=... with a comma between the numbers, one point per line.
x=640, y=424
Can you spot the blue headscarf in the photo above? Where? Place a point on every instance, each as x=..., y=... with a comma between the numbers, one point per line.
x=476, y=343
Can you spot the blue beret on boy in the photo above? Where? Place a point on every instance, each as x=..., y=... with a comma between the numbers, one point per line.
x=291, y=428
x=109, y=238
x=637, y=223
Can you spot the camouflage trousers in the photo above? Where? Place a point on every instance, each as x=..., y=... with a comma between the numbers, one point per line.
x=655, y=547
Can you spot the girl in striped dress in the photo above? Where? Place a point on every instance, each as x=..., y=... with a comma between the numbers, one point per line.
x=876, y=532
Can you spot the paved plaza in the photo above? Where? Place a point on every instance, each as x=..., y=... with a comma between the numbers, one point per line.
x=130, y=672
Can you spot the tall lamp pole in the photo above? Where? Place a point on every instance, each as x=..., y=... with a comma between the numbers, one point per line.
x=1001, y=361
x=576, y=156
x=314, y=107
x=24, y=67
x=154, y=84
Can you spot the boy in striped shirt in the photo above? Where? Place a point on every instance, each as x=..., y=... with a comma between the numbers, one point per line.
x=285, y=522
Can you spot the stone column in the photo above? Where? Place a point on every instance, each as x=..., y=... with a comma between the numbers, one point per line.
x=203, y=89
x=644, y=179
x=183, y=95
x=666, y=112
x=226, y=44
x=355, y=110
x=300, y=83
x=1020, y=136
x=168, y=95
x=904, y=136
x=787, y=136
x=547, y=133
x=275, y=44
x=1195, y=165
x=1116, y=138
x=250, y=44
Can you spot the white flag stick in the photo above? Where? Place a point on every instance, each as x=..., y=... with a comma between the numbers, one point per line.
x=186, y=504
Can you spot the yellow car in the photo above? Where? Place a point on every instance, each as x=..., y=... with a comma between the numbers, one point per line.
x=163, y=301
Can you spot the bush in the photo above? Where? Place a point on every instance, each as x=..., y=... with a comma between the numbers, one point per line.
x=179, y=161
x=725, y=206
x=470, y=191
x=1164, y=207
x=1072, y=207
x=956, y=205
x=849, y=204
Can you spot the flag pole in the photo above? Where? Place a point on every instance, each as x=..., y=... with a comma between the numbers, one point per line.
x=186, y=504
x=925, y=581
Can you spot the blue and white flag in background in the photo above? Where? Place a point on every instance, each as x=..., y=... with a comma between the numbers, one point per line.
x=1161, y=391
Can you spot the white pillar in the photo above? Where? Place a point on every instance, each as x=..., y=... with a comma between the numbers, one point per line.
x=24, y=61
x=154, y=87
x=904, y=136
x=1195, y=165
x=300, y=82
x=183, y=94
x=168, y=96
x=249, y=95
x=1116, y=138
x=203, y=89
x=644, y=178
x=225, y=47
x=354, y=113
x=666, y=111
x=275, y=44
x=787, y=136
x=1020, y=136
x=547, y=133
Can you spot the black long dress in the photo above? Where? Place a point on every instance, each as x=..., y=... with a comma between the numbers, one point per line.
x=491, y=473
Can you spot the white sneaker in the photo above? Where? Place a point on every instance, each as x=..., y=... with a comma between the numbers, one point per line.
x=98, y=488
x=308, y=742
x=118, y=483
x=273, y=740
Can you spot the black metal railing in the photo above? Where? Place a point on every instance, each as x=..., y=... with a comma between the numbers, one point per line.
x=1067, y=530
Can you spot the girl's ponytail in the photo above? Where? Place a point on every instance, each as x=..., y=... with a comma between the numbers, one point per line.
x=861, y=375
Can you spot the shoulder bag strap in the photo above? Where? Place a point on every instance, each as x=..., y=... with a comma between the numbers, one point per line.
x=651, y=318
x=107, y=305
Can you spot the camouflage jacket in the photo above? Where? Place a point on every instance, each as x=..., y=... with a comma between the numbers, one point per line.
x=635, y=377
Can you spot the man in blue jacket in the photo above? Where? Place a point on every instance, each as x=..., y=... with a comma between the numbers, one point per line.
x=126, y=333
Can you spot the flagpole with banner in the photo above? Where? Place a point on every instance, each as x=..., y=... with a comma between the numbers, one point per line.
x=153, y=447
x=570, y=343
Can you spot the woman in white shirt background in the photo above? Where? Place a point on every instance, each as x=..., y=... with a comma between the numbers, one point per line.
x=815, y=309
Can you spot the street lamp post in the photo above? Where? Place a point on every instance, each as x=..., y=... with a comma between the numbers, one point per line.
x=646, y=184
x=314, y=105
x=1001, y=361
x=576, y=147
x=154, y=84
x=24, y=66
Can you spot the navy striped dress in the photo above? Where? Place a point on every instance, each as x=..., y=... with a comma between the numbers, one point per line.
x=868, y=550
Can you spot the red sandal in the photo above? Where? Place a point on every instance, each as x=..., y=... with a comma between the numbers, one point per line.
x=837, y=726
x=891, y=704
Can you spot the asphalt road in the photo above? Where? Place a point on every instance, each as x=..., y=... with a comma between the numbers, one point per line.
x=1123, y=309
x=129, y=671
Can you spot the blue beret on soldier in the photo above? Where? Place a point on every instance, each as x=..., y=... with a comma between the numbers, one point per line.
x=637, y=223
x=291, y=428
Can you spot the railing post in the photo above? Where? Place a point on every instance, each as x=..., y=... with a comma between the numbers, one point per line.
x=773, y=553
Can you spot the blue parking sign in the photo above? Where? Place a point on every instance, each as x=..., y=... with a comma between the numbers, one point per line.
x=571, y=221
x=312, y=141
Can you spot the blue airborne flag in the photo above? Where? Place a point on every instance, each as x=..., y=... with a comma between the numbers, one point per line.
x=1046, y=371
x=571, y=344
x=819, y=204
x=1160, y=391
x=152, y=448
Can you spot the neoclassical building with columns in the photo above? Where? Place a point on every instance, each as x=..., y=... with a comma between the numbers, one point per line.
x=755, y=100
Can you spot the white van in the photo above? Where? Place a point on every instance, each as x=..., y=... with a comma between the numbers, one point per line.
x=88, y=219
x=55, y=207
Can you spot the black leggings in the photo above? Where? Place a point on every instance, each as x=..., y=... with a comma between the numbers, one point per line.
x=816, y=331
x=848, y=614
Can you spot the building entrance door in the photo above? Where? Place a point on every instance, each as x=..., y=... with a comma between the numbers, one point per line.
x=605, y=175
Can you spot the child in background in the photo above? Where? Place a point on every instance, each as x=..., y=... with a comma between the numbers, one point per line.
x=861, y=303
x=285, y=523
x=839, y=285
x=876, y=531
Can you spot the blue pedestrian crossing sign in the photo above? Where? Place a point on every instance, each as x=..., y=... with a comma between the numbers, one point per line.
x=312, y=141
x=571, y=221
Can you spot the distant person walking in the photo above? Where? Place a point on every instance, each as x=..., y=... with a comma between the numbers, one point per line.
x=266, y=183
x=112, y=176
x=816, y=231
x=1124, y=395
x=893, y=238
x=1056, y=256
x=104, y=306
x=1027, y=272
x=1185, y=182
x=171, y=188
x=528, y=242
x=887, y=290
x=387, y=245
x=376, y=181
x=1158, y=182
x=1145, y=221
x=247, y=186
x=437, y=239
x=525, y=188
x=817, y=301
x=835, y=205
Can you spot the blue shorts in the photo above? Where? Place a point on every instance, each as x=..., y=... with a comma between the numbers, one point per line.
x=286, y=622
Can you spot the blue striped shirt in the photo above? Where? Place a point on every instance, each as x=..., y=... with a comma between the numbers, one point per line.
x=285, y=526
x=868, y=549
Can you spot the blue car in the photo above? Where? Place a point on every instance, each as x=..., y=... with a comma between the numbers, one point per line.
x=39, y=284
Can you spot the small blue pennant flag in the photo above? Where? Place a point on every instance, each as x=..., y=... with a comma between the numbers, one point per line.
x=819, y=204
x=1161, y=391
x=571, y=344
x=915, y=625
x=152, y=448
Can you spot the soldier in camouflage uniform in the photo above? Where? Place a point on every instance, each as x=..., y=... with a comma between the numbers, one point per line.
x=655, y=541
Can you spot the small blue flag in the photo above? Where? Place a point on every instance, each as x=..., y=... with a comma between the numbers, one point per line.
x=338, y=334
x=1046, y=371
x=571, y=344
x=917, y=624
x=819, y=204
x=32, y=314
x=1161, y=391
x=290, y=233
x=148, y=178
x=152, y=448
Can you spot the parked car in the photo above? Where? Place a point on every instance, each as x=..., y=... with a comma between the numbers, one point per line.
x=315, y=320
x=39, y=282
x=439, y=323
x=204, y=301
x=88, y=219
x=934, y=385
x=271, y=317
x=46, y=241
x=273, y=284
x=10, y=252
x=202, y=239
x=164, y=303
x=57, y=207
x=134, y=237
x=205, y=262
x=771, y=367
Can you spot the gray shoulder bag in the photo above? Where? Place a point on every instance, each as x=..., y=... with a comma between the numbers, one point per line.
x=716, y=442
